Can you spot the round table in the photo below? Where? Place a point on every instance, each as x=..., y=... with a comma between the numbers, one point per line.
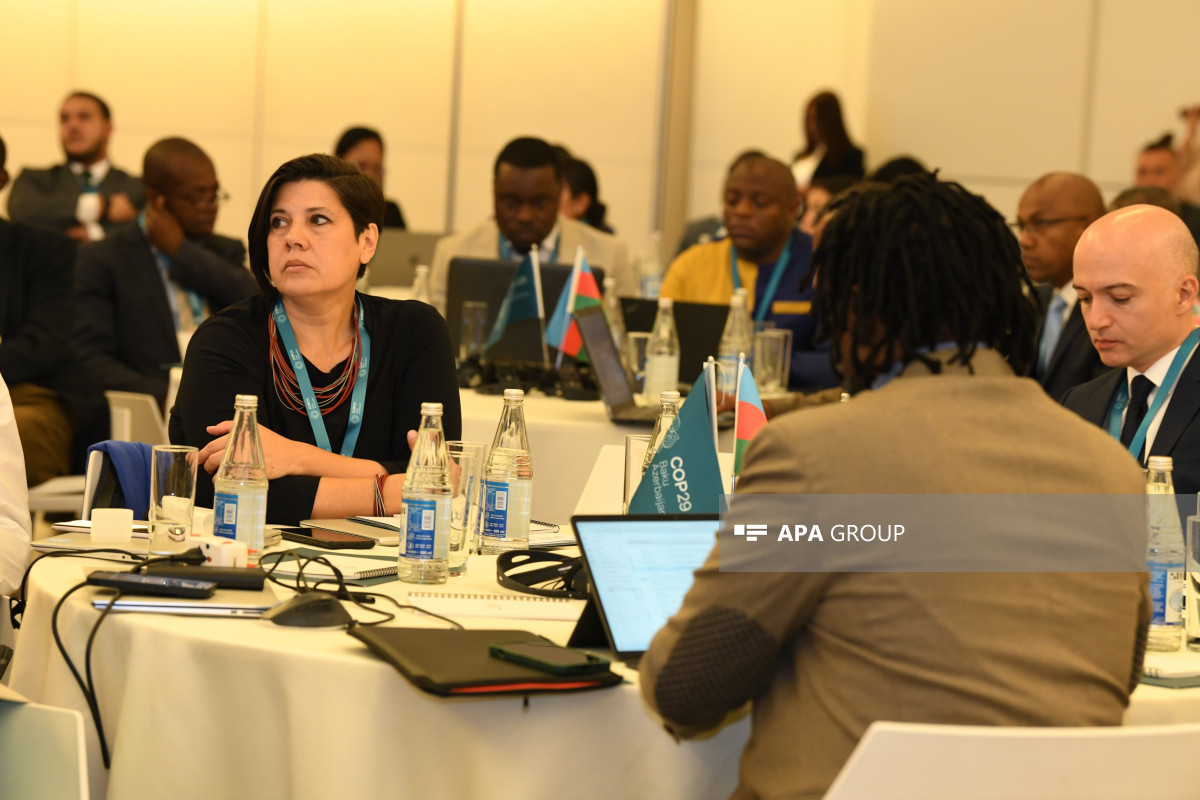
x=207, y=707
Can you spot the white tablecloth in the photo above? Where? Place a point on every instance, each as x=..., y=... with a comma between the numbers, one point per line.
x=565, y=437
x=216, y=708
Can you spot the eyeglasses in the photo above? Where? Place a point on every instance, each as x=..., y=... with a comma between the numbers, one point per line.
x=1039, y=226
x=202, y=199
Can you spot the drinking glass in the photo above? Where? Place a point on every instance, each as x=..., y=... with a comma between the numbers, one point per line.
x=636, y=445
x=474, y=318
x=772, y=360
x=466, y=476
x=172, y=493
x=636, y=345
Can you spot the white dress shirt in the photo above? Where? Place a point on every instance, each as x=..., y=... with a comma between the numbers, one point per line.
x=15, y=527
x=88, y=206
x=1156, y=373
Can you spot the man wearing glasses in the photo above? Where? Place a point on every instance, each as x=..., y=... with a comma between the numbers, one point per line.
x=1052, y=215
x=143, y=290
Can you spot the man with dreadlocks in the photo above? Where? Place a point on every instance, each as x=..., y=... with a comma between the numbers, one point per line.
x=921, y=287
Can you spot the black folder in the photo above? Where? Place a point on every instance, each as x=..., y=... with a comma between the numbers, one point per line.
x=458, y=663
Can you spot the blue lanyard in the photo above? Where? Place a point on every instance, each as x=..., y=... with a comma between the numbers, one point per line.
x=1160, y=396
x=762, y=306
x=506, y=250
x=357, y=397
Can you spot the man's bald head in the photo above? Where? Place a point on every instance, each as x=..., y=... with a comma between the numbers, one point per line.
x=1052, y=214
x=761, y=204
x=165, y=159
x=1135, y=271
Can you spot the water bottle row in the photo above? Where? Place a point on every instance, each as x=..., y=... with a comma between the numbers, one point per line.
x=1173, y=564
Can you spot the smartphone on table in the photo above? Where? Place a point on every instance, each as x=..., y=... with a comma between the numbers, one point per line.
x=329, y=540
x=549, y=657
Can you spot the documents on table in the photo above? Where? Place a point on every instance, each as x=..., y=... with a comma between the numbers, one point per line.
x=495, y=604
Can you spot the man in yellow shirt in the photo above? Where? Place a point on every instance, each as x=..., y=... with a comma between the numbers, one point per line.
x=767, y=254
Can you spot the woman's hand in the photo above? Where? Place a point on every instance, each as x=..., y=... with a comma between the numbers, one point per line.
x=283, y=455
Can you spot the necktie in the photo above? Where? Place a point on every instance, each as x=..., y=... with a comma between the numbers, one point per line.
x=1051, y=332
x=1142, y=386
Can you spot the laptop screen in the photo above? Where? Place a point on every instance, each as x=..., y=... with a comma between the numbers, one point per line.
x=606, y=361
x=641, y=567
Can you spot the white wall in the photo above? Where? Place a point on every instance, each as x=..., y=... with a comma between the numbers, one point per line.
x=757, y=64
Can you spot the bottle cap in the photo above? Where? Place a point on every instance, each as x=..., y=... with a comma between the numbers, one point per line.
x=422, y=269
x=431, y=409
x=245, y=401
x=1160, y=462
x=514, y=394
x=665, y=302
x=610, y=282
x=668, y=395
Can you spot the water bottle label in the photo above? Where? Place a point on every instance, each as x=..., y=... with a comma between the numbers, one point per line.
x=1166, y=594
x=426, y=528
x=225, y=510
x=495, y=508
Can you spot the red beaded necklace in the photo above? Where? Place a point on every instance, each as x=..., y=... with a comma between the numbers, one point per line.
x=287, y=388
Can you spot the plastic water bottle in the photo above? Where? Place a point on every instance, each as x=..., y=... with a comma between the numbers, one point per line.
x=650, y=269
x=616, y=318
x=667, y=412
x=508, y=480
x=1191, y=605
x=240, y=485
x=1164, y=557
x=425, y=552
x=662, y=352
x=736, y=339
x=420, y=287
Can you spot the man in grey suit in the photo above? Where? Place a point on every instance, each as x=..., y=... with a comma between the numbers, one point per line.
x=87, y=196
x=143, y=290
x=939, y=409
x=1052, y=215
x=526, y=187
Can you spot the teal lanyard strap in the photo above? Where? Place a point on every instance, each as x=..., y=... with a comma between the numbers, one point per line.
x=763, y=306
x=506, y=250
x=1160, y=396
x=357, y=397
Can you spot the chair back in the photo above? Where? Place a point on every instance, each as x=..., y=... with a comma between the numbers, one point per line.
x=118, y=476
x=42, y=752
x=909, y=761
x=136, y=417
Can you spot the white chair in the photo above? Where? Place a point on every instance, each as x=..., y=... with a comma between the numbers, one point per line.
x=42, y=753
x=136, y=417
x=907, y=761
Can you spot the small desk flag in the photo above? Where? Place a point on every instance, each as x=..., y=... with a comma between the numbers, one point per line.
x=581, y=291
x=749, y=417
x=521, y=301
x=684, y=476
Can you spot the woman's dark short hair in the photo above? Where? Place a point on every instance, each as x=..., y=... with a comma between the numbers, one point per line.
x=351, y=138
x=360, y=195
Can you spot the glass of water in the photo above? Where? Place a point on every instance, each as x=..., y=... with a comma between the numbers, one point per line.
x=466, y=477
x=772, y=360
x=636, y=343
x=172, y=494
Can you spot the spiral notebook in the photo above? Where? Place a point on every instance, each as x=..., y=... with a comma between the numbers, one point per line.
x=363, y=570
x=494, y=604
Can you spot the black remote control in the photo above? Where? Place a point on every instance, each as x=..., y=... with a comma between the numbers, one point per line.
x=133, y=583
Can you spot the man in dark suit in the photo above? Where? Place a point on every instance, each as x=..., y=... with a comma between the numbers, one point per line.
x=143, y=290
x=59, y=409
x=1135, y=271
x=87, y=196
x=1052, y=215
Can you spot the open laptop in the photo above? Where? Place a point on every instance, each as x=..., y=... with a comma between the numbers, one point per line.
x=397, y=256
x=699, y=325
x=610, y=375
x=223, y=603
x=641, y=567
x=488, y=280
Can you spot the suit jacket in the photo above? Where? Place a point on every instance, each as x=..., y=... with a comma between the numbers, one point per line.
x=47, y=197
x=482, y=241
x=36, y=305
x=1179, y=433
x=822, y=655
x=125, y=329
x=1074, y=360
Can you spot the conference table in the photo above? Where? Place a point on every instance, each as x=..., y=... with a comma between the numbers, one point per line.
x=212, y=708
